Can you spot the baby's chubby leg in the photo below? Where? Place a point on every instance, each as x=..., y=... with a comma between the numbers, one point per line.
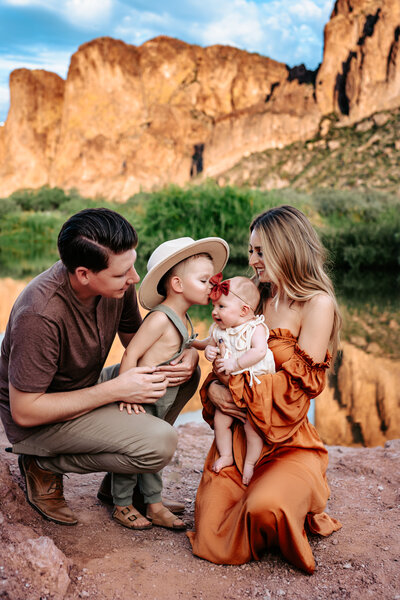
x=254, y=448
x=223, y=440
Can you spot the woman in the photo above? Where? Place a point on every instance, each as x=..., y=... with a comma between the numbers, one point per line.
x=235, y=523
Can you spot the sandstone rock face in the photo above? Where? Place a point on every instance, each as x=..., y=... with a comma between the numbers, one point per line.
x=361, y=404
x=146, y=110
x=360, y=73
x=130, y=118
x=28, y=139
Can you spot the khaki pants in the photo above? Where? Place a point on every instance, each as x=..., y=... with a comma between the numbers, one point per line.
x=107, y=439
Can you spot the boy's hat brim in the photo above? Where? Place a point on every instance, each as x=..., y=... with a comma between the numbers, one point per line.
x=170, y=254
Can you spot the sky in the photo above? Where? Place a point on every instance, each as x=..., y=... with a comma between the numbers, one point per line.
x=43, y=34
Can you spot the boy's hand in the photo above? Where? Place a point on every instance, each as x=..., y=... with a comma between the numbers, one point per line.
x=136, y=408
x=181, y=369
x=211, y=353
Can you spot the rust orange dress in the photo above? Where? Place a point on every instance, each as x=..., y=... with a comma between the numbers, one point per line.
x=234, y=523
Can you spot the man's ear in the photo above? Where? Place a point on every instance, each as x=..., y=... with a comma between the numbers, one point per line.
x=176, y=284
x=83, y=275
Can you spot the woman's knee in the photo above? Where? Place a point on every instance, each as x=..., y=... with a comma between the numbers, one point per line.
x=262, y=504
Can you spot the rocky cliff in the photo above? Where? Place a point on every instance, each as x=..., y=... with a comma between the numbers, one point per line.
x=130, y=118
x=361, y=403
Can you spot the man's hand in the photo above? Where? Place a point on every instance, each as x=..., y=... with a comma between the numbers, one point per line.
x=140, y=385
x=181, y=369
x=222, y=399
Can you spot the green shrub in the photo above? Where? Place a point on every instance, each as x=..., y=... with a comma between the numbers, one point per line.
x=7, y=206
x=43, y=199
x=198, y=212
x=339, y=206
x=28, y=242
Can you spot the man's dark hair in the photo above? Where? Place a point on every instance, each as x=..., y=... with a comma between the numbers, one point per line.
x=88, y=238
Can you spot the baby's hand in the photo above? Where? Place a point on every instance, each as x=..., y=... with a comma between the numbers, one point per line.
x=211, y=352
x=136, y=408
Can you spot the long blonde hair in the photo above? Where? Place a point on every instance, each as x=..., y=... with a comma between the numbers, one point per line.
x=295, y=260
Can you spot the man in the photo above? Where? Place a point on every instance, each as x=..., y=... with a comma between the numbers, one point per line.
x=57, y=403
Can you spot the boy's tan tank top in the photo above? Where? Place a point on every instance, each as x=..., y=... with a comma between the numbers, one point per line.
x=180, y=326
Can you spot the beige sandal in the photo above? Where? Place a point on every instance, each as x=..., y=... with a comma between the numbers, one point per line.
x=127, y=516
x=165, y=518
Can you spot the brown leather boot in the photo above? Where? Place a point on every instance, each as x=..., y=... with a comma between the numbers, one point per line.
x=104, y=494
x=44, y=491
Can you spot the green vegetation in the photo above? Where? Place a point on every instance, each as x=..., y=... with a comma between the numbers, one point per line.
x=360, y=229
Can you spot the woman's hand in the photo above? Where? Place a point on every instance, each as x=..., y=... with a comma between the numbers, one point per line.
x=181, y=369
x=222, y=399
x=226, y=365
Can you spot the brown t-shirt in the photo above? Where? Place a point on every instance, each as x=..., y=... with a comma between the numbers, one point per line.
x=54, y=343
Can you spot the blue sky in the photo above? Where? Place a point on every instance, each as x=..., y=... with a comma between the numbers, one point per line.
x=42, y=34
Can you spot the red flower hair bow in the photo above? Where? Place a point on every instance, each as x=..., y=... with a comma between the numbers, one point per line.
x=218, y=288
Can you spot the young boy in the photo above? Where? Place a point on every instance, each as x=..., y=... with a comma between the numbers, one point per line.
x=179, y=273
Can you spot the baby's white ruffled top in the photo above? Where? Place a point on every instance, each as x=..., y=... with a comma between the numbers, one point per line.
x=237, y=341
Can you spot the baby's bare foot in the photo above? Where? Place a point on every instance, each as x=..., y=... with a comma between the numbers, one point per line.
x=248, y=470
x=222, y=462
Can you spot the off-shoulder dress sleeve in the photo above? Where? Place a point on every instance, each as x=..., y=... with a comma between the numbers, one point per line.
x=278, y=405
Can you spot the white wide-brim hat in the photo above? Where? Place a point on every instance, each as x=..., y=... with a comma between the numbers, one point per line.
x=169, y=254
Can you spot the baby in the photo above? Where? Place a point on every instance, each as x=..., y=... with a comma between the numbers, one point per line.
x=241, y=339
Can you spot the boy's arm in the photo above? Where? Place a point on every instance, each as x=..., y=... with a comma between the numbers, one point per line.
x=148, y=334
x=258, y=349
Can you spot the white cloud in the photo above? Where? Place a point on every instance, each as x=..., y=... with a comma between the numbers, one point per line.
x=139, y=26
x=272, y=28
x=237, y=26
x=81, y=13
x=49, y=60
x=4, y=101
x=87, y=12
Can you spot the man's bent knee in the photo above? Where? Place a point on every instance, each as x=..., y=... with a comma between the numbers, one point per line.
x=165, y=442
